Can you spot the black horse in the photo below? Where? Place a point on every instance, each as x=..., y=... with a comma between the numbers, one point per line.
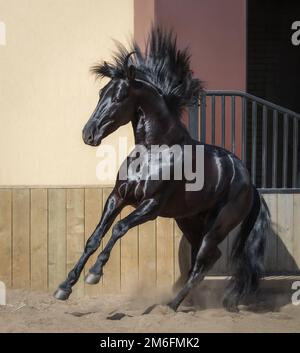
x=150, y=90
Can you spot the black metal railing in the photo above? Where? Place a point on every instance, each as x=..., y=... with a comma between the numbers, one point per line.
x=265, y=135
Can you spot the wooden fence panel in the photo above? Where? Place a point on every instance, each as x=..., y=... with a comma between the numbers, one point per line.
x=165, y=253
x=92, y=211
x=296, y=230
x=6, y=237
x=39, y=239
x=57, y=242
x=147, y=256
x=75, y=233
x=271, y=260
x=43, y=233
x=285, y=231
x=182, y=255
x=21, y=238
x=129, y=257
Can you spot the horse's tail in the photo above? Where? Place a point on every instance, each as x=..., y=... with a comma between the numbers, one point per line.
x=248, y=253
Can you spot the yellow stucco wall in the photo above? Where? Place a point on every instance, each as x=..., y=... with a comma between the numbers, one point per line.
x=46, y=91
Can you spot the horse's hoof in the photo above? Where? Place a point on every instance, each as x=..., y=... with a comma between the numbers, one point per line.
x=232, y=308
x=149, y=309
x=172, y=306
x=230, y=305
x=117, y=316
x=62, y=294
x=91, y=278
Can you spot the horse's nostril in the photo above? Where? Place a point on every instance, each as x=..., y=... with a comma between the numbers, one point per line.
x=88, y=137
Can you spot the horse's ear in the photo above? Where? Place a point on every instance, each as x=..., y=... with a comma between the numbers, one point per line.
x=131, y=73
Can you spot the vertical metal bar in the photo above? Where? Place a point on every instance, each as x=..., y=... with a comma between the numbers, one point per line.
x=203, y=118
x=274, y=149
x=285, y=150
x=264, y=148
x=244, y=130
x=194, y=121
x=223, y=121
x=213, y=119
x=254, y=139
x=295, y=151
x=233, y=124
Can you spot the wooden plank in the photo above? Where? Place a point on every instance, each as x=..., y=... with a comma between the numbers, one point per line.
x=272, y=237
x=147, y=257
x=39, y=239
x=75, y=234
x=129, y=257
x=182, y=254
x=112, y=269
x=6, y=237
x=56, y=237
x=92, y=210
x=21, y=238
x=165, y=253
x=285, y=230
x=296, y=230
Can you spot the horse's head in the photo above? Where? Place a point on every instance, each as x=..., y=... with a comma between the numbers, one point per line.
x=116, y=107
x=157, y=82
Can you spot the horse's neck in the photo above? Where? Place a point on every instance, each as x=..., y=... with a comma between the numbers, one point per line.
x=153, y=128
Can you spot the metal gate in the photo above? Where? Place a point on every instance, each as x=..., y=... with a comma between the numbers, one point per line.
x=264, y=135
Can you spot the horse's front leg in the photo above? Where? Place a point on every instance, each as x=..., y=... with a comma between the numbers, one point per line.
x=147, y=210
x=113, y=206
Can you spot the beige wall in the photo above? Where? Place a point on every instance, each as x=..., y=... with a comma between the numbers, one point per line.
x=46, y=91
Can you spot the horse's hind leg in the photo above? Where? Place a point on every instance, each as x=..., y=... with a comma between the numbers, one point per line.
x=193, y=229
x=230, y=215
x=202, y=265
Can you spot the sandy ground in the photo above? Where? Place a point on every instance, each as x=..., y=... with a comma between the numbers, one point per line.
x=40, y=312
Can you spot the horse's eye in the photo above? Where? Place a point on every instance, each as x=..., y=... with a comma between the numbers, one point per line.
x=117, y=99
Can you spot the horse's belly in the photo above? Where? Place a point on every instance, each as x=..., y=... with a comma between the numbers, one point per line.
x=185, y=205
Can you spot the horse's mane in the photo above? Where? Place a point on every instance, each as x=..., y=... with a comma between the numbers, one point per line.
x=162, y=64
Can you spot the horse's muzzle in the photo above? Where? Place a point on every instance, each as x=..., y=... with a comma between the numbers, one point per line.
x=90, y=139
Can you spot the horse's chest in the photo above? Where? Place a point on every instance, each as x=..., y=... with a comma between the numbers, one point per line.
x=133, y=191
x=145, y=176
